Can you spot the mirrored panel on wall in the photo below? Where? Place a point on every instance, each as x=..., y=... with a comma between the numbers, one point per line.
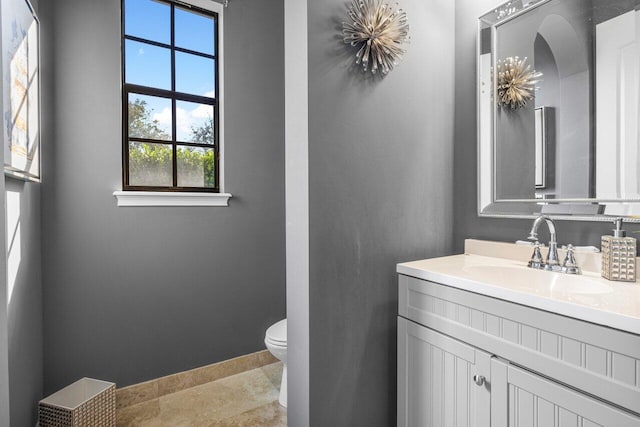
x=558, y=108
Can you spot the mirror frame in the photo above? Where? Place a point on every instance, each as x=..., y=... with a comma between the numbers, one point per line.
x=580, y=209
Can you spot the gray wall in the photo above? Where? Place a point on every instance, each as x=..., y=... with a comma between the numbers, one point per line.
x=25, y=304
x=24, y=311
x=603, y=10
x=137, y=293
x=4, y=340
x=380, y=189
x=467, y=222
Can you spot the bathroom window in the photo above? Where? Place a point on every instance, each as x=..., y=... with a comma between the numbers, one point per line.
x=170, y=97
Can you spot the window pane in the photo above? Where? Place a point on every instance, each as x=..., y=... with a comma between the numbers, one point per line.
x=195, y=122
x=148, y=19
x=195, y=75
x=194, y=31
x=147, y=65
x=150, y=117
x=196, y=167
x=150, y=164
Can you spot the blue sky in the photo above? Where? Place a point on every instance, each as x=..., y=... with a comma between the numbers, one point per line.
x=150, y=65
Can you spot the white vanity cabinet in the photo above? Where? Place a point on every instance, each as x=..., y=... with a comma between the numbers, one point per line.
x=523, y=398
x=540, y=369
x=436, y=379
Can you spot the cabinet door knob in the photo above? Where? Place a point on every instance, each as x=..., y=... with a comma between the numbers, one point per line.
x=478, y=379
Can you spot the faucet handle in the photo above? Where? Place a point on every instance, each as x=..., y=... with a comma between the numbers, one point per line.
x=569, y=259
x=536, y=257
x=570, y=265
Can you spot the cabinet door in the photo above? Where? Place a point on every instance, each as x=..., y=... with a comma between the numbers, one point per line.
x=520, y=398
x=436, y=386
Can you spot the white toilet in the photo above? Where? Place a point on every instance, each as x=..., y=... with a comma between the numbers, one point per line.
x=276, y=341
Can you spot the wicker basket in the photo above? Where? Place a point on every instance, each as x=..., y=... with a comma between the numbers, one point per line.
x=85, y=403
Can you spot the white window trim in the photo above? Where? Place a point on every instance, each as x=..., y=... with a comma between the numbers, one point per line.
x=167, y=198
x=171, y=198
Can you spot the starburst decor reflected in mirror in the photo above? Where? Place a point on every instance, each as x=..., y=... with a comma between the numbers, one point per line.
x=378, y=30
x=516, y=82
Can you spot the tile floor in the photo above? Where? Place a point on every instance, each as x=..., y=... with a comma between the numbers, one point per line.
x=248, y=399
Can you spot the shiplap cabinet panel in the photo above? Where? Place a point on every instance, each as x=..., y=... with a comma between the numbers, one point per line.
x=601, y=361
x=435, y=380
x=577, y=374
x=524, y=399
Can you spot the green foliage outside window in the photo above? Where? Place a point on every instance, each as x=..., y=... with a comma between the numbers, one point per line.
x=151, y=163
x=141, y=125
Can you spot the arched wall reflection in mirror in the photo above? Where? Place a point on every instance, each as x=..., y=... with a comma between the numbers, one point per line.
x=574, y=149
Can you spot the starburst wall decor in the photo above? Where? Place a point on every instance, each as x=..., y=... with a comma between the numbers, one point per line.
x=378, y=31
x=516, y=82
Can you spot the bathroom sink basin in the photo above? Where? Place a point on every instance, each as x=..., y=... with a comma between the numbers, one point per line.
x=499, y=270
x=521, y=277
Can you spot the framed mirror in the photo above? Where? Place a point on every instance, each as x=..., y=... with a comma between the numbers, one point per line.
x=558, y=109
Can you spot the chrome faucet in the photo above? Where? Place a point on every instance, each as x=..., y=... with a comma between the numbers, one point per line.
x=552, y=263
x=552, y=257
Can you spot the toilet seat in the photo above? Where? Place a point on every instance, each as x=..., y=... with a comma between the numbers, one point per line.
x=277, y=334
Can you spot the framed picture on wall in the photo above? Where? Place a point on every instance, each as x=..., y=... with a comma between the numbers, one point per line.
x=20, y=63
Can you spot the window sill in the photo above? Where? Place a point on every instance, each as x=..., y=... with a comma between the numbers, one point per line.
x=154, y=198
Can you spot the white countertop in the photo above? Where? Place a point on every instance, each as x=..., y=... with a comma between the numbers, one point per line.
x=586, y=297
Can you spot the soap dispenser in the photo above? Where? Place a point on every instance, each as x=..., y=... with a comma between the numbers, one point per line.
x=619, y=255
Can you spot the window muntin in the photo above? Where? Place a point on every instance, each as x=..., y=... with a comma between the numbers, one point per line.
x=170, y=104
